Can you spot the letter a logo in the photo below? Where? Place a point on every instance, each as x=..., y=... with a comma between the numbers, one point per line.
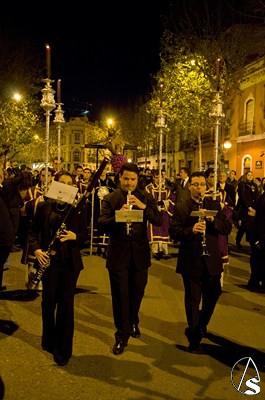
x=245, y=377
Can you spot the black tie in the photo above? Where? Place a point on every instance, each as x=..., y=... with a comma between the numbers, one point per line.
x=182, y=183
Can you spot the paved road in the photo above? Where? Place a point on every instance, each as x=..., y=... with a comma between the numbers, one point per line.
x=154, y=367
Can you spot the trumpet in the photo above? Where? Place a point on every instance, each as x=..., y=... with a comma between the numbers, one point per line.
x=202, y=219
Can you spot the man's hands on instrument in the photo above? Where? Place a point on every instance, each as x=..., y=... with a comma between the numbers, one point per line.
x=67, y=235
x=134, y=201
x=42, y=257
x=199, y=227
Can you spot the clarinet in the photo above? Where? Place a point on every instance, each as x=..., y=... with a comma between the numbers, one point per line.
x=75, y=206
x=202, y=219
x=129, y=224
x=43, y=267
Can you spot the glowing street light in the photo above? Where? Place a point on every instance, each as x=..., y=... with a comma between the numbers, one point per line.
x=227, y=144
x=17, y=96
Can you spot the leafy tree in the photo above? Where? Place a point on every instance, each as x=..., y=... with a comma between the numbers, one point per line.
x=194, y=38
x=20, y=72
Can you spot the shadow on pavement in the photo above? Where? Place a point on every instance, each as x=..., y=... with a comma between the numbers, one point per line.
x=8, y=327
x=227, y=351
x=19, y=295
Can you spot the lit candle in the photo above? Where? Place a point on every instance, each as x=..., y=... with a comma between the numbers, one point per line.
x=161, y=95
x=48, y=61
x=59, y=91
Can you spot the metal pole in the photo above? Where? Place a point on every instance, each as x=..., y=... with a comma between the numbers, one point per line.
x=59, y=120
x=48, y=104
x=218, y=115
x=161, y=124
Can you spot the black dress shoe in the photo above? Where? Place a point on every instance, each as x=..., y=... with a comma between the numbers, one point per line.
x=61, y=361
x=135, y=332
x=195, y=348
x=2, y=288
x=118, y=347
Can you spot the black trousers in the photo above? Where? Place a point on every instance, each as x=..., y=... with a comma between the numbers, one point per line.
x=127, y=291
x=59, y=284
x=206, y=290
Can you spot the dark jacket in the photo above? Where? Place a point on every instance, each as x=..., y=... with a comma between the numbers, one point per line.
x=44, y=226
x=123, y=248
x=190, y=262
x=7, y=230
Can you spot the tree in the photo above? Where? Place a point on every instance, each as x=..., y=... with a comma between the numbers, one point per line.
x=193, y=39
x=17, y=124
x=20, y=70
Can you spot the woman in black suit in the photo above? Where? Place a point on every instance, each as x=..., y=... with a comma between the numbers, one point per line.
x=128, y=252
x=60, y=278
x=200, y=267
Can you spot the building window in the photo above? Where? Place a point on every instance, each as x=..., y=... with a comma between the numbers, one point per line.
x=246, y=164
x=77, y=137
x=250, y=116
x=76, y=155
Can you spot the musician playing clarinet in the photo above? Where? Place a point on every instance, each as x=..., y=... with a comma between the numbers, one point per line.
x=128, y=252
x=199, y=260
x=60, y=278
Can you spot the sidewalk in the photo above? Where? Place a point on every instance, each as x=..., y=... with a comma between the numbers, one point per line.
x=156, y=366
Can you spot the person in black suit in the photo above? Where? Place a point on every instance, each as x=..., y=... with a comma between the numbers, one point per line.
x=60, y=278
x=7, y=229
x=128, y=252
x=201, y=273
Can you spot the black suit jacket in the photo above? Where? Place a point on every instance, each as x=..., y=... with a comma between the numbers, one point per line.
x=124, y=249
x=44, y=226
x=190, y=263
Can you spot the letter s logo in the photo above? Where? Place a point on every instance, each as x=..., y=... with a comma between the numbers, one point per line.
x=251, y=383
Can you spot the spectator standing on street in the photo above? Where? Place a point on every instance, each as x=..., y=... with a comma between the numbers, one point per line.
x=201, y=273
x=247, y=195
x=7, y=229
x=128, y=252
x=231, y=179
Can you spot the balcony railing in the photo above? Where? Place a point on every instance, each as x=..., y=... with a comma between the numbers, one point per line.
x=247, y=128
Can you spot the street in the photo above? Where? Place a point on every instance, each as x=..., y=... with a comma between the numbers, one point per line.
x=154, y=367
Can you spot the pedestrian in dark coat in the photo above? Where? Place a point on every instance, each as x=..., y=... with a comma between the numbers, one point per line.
x=201, y=273
x=60, y=278
x=7, y=229
x=128, y=252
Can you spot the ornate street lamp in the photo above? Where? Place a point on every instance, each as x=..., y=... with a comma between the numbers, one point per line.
x=59, y=120
x=217, y=114
x=48, y=104
x=161, y=124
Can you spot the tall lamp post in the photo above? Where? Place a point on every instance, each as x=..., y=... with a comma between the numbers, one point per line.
x=48, y=104
x=217, y=114
x=161, y=124
x=59, y=120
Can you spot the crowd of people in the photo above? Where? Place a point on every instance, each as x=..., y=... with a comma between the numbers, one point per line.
x=188, y=210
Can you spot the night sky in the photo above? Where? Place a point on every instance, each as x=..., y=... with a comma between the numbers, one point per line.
x=104, y=53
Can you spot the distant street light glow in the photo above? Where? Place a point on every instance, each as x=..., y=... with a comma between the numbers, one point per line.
x=17, y=97
x=227, y=144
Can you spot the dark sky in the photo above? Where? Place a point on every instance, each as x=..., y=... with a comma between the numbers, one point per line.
x=104, y=53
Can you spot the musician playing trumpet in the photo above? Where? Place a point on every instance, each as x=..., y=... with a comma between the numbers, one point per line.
x=196, y=226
